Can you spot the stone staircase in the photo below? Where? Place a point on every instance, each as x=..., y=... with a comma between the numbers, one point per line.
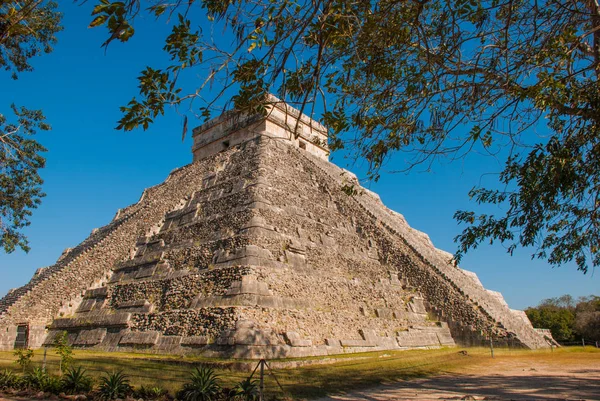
x=94, y=239
x=98, y=237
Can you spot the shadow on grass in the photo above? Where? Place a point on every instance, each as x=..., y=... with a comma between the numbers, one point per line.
x=409, y=371
x=511, y=387
x=318, y=381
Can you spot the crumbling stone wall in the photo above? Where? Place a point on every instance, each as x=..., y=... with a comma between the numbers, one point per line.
x=176, y=293
x=209, y=322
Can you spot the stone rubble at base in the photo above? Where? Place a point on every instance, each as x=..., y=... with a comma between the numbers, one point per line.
x=254, y=251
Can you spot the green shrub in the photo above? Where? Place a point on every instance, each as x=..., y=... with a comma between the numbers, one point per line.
x=24, y=357
x=246, y=390
x=114, y=385
x=203, y=385
x=64, y=350
x=76, y=381
x=39, y=379
x=8, y=379
x=151, y=393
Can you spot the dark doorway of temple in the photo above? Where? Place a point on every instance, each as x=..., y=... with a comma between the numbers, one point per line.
x=22, y=340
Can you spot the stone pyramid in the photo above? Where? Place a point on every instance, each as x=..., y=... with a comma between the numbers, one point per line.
x=254, y=250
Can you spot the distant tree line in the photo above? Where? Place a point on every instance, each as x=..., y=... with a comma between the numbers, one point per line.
x=568, y=319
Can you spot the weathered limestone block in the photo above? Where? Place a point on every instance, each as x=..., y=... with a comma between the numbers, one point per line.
x=249, y=285
x=180, y=217
x=521, y=315
x=155, y=245
x=143, y=240
x=51, y=337
x=444, y=335
x=169, y=344
x=257, y=221
x=295, y=260
x=146, y=271
x=369, y=335
x=250, y=336
x=147, y=258
x=90, y=337
x=417, y=338
x=209, y=180
x=147, y=245
x=194, y=341
x=250, y=300
x=226, y=337
x=333, y=342
x=417, y=306
x=101, y=292
x=357, y=343
x=295, y=340
x=37, y=335
x=302, y=234
x=7, y=337
x=328, y=241
x=98, y=320
x=140, y=338
x=373, y=253
x=473, y=277
x=86, y=305
x=141, y=305
x=384, y=313
x=248, y=255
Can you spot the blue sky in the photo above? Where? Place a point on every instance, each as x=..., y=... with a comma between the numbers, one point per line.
x=93, y=170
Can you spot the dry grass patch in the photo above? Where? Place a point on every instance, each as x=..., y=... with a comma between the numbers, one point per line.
x=333, y=375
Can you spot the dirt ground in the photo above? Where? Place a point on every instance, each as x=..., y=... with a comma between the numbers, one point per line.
x=498, y=379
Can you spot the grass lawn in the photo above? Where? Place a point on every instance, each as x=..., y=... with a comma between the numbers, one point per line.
x=335, y=374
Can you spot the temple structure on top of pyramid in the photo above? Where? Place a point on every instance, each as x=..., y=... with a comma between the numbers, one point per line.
x=251, y=251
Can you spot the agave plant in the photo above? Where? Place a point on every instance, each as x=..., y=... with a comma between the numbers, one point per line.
x=39, y=379
x=246, y=390
x=151, y=393
x=203, y=385
x=8, y=379
x=114, y=385
x=77, y=381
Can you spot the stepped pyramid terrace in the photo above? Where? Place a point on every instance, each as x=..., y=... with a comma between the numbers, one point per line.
x=251, y=251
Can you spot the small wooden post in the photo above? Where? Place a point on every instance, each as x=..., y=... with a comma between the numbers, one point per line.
x=492, y=346
x=583, y=342
x=44, y=362
x=262, y=380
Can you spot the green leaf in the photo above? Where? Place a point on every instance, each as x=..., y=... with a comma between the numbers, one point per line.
x=99, y=20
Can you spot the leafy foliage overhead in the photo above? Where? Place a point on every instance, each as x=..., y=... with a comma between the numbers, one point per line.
x=432, y=79
x=27, y=29
x=20, y=183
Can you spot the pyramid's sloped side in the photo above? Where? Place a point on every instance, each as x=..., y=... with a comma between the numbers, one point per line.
x=330, y=263
x=60, y=289
x=257, y=263
x=257, y=252
x=455, y=295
